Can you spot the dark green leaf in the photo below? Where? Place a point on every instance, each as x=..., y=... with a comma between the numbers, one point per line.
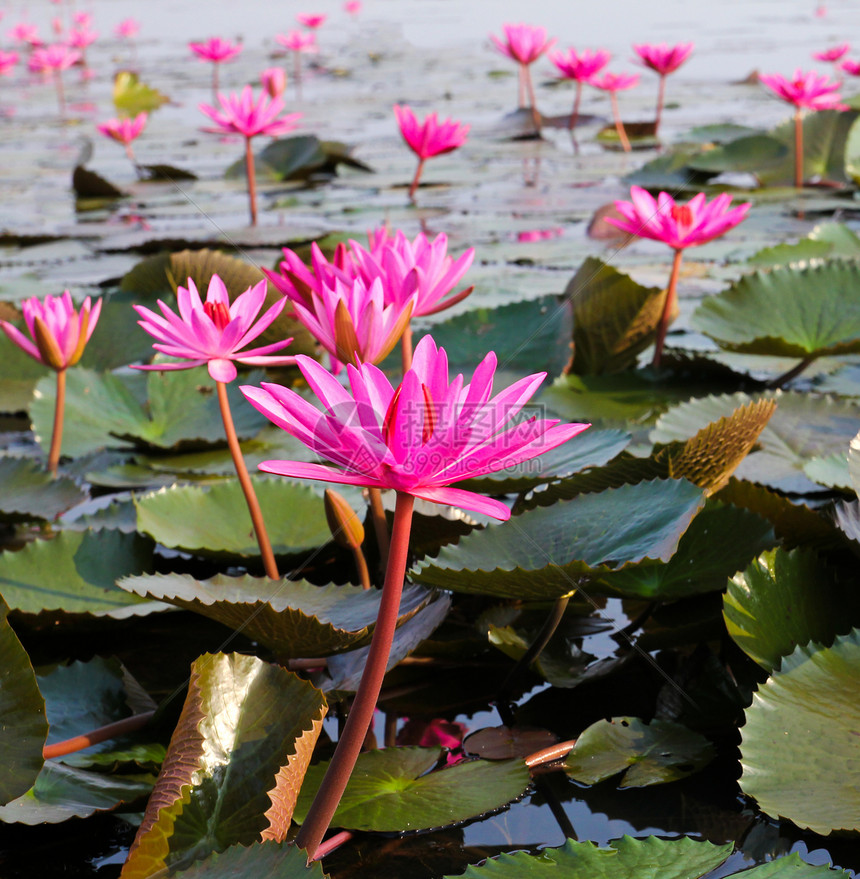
x=267, y=859
x=29, y=491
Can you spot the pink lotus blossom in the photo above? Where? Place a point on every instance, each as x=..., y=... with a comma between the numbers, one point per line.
x=80, y=38
x=419, y=438
x=82, y=19
x=678, y=225
x=310, y=20
x=215, y=331
x=523, y=43
x=812, y=90
x=833, y=54
x=615, y=82
x=59, y=332
x=8, y=60
x=432, y=733
x=123, y=130
x=216, y=50
x=530, y=235
x=25, y=33
x=580, y=66
x=127, y=28
x=851, y=67
x=298, y=41
x=661, y=58
x=53, y=58
x=241, y=114
x=429, y=138
x=57, y=25
x=353, y=7
x=274, y=81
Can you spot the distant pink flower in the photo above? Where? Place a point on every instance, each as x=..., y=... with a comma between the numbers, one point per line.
x=429, y=138
x=833, y=54
x=216, y=50
x=614, y=83
x=812, y=90
x=57, y=25
x=417, y=438
x=127, y=28
x=353, y=7
x=678, y=225
x=124, y=131
x=298, y=41
x=310, y=20
x=241, y=114
x=80, y=38
x=851, y=67
x=59, y=332
x=530, y=235
x=53, y=58
x=8, y=60
x=581, y=68
x=82, y=20
x=274, y=81
x=661, y=58
x=523, y=43
x=432, y=733
x=25, y=33
x=214, y=332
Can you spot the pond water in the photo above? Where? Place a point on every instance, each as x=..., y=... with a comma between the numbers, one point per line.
x=435, y=55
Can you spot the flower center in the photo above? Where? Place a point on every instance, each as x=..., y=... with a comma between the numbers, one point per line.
x=218, y=312
x=682, y=214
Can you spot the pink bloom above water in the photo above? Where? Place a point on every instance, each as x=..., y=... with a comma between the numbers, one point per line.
x=127, y=28
x=53, y=58
x=353, y=7
x=678, y=225
x=25, y=33
x=539, y=234
x=298, y=41
x=309, y=20
x=522, y=42
x=214, y=332
x=123, y=131
x=661, y=58
x=850, y=67
x=615, y=82
x=833, y=54
x=430, y=137
x=812, y=90
x=580, y=66
x=8, y=60
x=241, y=114
x=274, y=81
x=417, y=438
x=82, y=19
x=80, y=37
x=216, y=50
x=59, y=332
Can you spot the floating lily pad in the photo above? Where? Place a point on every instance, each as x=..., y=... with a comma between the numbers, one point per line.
x=799, y=748
x=647, y=753
x=283, y=860
x=788, y=312
x=546, y=552
x=24, y=728
x=89, y=184
x=29, y=492
x=292, y=618
x=831, y=240
x=75, y=572
x=392, y=790
x=241, y=722
x=216, y=519
x=131, y=96
x=625, y=858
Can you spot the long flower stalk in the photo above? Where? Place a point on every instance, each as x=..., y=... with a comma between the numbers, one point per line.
x=668, y=307
x=798, y=148
x=57, y=433
x=361, y=714
x=619, y=125
x=94, y=737
x=265, y=545
x=251, y=172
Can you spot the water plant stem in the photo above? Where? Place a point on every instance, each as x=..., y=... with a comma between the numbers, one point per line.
x=332, y=843
x=61, y=95
x=521, y=86
x=406, y=349
x=798, y=149
x=268, y=556
x=102, y=734
x=668, y=307
x=414, y=185
x=380, y=525
x=361, y=567
x=661, y=91
x=57, y=433
x=532, y=99
x=574, y=113
x=786, y=377
x=297, y=68
x=619, y=125
x=215, y=84
x=361, y=714
x=251, y=172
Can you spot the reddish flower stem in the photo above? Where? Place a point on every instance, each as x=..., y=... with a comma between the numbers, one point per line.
x=574, y=113
x=268, y=556
x=251, y=172
x=521, y=86
x=532, y=99
x=550, y=754
x=361, y=714
x=668, y=306
x=61, y=95
x=57, y=434
x=798, y=149
x=215, y=84
x=380, y=525
x=418, y=171
x=406, y=349
x=332, y=843
x=102, y=734
x=619, y=125
x=661, y=91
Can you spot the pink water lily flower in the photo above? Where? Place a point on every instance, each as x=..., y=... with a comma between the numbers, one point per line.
x=274, y=81
x=298, y=41
x=524, y=44
x=313, y=21
x=661, y=58
x=833, y=54
x=580, y=67
x=352, y=7
x=59, y=332
x=419, y=438
x=127, y=28
x=428, y=138
x=82, y=19
x=214, y=332
x=53, y=58
x=8, y=60
x=124, y=131
x=26, y=33
x=852, y=68
x=614, y=83
x=80, y=38
x=216, y=50
x=678, y=225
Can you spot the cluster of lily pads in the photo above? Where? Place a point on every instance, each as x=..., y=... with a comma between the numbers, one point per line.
x=151, y=662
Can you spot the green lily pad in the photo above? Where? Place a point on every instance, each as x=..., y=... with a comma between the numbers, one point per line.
x=670, y=172
x=647, y=753
x=830, y=471
x=788, y=312
x=131, y=96
x=292, y=618
x=831, y=240
x=792, y=867
x=216, y=519
x=392, y=790
x=625, y=858
x=754, y=154
x=24, y=728
x=29, y=492
x=63, y=792
x=283, y=860
x=799, y=743
x=20, y=375
x=75, y=572
x=784, y=600
x=243, y=719
x=546, y=552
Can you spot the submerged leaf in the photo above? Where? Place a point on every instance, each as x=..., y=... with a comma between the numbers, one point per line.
x=269, y=859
